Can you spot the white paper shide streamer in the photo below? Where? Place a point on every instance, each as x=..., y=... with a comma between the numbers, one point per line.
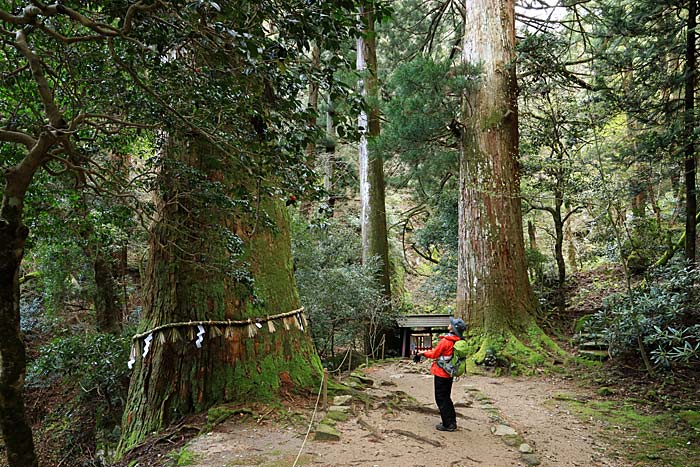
x=132, y=357
x=218, y=328
x=200, y=336
x=147, y=345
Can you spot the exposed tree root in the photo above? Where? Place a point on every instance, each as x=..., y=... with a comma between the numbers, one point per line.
x=419, y=438
x=372, y=430
x=521, y=352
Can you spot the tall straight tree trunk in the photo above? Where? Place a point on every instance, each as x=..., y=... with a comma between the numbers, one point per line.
x=493, y=292
x=532, y=235
x=329, y=161
x=313, y=98
x=690, y=123
x=570, y=248
x=559, y=236
x=193, y=275
x=373, y=215
x=312, y=106
x=106, y=297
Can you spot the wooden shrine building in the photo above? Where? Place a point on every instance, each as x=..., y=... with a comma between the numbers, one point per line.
x=417, y=331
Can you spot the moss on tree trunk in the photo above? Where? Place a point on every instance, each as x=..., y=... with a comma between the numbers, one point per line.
x=188, y=278
x=493, y=291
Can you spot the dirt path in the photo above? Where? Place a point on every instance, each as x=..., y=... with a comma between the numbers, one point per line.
x=399, y=431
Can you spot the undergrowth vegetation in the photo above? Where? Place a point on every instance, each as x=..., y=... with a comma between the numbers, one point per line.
x=342, y=299
x=95, y=362
x=659, y=316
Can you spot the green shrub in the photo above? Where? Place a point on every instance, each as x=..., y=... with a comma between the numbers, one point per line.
x=97, y=362
x=662, y=313
x=342, y=297
x=32, y=316
x=65, y=274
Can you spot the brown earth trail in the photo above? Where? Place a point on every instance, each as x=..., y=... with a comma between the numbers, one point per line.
x=397, y=428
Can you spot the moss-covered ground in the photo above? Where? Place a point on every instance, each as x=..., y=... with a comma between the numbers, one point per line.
x=645, y=436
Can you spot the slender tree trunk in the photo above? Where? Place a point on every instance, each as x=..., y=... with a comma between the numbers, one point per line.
x=638, y=184
x=570, y=248
x=107, y=306
x=559, y=241
x=532, y=235
x=16, y=431
x=312, y=106
x=373, y=216
x=313, y=99
x=189, y=277
x=120, y=273
x=690, y=123
x=493, y=291
x=329, y=162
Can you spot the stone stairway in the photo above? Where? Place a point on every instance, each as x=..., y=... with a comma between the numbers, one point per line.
x=592, y=346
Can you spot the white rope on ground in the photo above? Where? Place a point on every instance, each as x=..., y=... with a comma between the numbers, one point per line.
x=313, y=416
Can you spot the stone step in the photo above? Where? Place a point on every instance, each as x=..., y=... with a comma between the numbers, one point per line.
x=599, y=355
x=593, y=345
x=587, y=336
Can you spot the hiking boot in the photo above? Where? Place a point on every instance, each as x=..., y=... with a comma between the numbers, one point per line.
x=441, y=427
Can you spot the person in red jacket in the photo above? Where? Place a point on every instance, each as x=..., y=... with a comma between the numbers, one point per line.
x=443, y=381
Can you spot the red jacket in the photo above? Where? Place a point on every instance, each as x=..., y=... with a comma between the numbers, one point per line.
x=444, y=349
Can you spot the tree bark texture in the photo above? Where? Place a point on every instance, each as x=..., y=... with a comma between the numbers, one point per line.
x=372, y=198
x=329, y=161
x=15, y=429
x=107, y=306
x=532, y=235
x=186, y=279
x=313, y=102
x=559, y=241
x=17, y=433
x=571, y=254
x=690, y=123
x=493, y=291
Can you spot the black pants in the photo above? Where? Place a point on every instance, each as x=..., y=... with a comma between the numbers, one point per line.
x=443, y=399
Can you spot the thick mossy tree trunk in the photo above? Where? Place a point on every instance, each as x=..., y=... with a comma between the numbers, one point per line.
x=194, y=273
x=493, y=292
